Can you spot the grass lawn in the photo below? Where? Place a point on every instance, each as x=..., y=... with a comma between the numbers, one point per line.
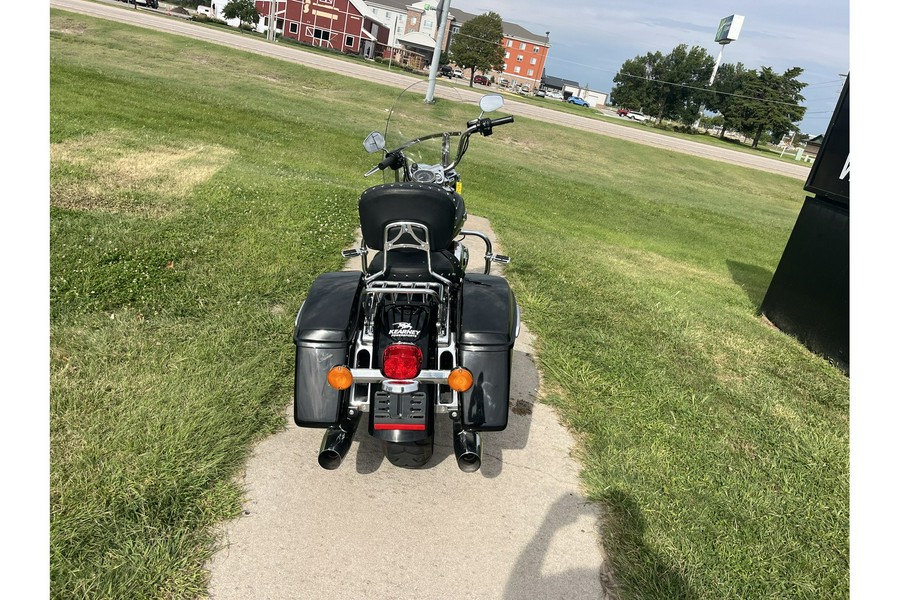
x=197, y=191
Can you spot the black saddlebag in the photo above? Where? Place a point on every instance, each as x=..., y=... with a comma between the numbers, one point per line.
x=324, y=329
x=485, y=338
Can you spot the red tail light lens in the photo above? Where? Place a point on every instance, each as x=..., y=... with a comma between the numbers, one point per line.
x=401, y=361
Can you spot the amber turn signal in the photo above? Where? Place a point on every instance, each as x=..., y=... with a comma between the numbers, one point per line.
x=340, y=377
x=460, y=379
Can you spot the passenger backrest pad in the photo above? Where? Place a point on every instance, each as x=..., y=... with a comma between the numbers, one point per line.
x=442, y=211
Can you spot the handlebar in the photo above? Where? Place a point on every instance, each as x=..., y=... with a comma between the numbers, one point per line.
x=501, y=121
x=486, y=126
x=392, y=159
x=395, y=159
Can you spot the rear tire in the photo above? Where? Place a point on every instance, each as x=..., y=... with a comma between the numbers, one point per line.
x=409, y=455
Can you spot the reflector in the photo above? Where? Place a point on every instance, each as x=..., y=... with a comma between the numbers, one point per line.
x=460, y=379
x=401, y=361
x=340, y=377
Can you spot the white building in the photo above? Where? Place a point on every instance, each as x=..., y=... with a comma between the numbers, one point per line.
x=216, y=8
x=393, y=14
x=404, y=18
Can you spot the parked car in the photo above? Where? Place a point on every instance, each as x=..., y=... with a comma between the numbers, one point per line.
x=458, y=73
x=577, y=101
x=622, y=112
x=637, y=116
x=555, y=95
x=482, y=80
x=540, y=93
x=445, y=71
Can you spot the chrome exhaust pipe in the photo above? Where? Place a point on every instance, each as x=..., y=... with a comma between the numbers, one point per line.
x=467, y=447
x=336, y=443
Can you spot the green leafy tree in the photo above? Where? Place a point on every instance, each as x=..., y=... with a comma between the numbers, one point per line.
x=665, y=86
x=686, y=73
x=769, y=103
x=726, y=88
x=635, y=82
x=243, y=10
x=478, y=44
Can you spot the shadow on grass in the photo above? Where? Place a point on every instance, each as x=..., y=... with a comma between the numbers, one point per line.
x=637, y=569
x=753, y=280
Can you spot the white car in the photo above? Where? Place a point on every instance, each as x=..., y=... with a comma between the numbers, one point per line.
x=637, y=116
x=458, y=73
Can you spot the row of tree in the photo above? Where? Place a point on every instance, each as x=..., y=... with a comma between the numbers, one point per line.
x=675, y=86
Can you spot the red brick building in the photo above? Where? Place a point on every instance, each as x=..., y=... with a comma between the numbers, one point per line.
x=525, y=59
x=525, y=53
x=344, y=25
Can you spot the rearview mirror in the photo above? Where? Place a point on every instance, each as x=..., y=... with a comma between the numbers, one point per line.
x=374, y=142
x=491, y=102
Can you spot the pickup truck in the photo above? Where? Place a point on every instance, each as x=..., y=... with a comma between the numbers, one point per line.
x=632, y=114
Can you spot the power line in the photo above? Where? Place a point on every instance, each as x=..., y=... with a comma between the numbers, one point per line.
x=792, y=104
x=708, y=90
x=841, y=81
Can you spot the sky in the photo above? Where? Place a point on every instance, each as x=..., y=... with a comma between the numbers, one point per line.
x=590, y=39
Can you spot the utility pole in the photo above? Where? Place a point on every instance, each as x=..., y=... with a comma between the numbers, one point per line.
x=444, y=9
x=393, y=40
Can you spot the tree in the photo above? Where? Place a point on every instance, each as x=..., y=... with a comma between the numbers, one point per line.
x=478, y=44
x=667, y=86
x=635, y=82
x=242, y=10
x=727, y=86
x=769, y=103
x=686, y=73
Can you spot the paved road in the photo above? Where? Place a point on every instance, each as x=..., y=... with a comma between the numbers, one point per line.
x=157, y=19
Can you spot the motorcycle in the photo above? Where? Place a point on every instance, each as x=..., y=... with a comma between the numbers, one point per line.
x=411, y=336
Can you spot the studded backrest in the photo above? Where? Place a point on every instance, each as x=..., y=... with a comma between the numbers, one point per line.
x=442, y=211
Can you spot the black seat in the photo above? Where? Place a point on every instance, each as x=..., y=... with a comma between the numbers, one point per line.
x=441, y=211
x=411, y=265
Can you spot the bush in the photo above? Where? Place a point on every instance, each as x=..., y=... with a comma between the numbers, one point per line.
x=685, y=129
x=205, y=19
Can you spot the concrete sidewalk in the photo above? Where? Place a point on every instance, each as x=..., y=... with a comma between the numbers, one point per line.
x=518, y=528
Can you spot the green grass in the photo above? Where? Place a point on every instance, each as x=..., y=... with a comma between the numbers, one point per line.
x=196, y=194
x=703, y=138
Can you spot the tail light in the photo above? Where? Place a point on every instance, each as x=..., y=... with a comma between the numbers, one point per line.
x=401, y=361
